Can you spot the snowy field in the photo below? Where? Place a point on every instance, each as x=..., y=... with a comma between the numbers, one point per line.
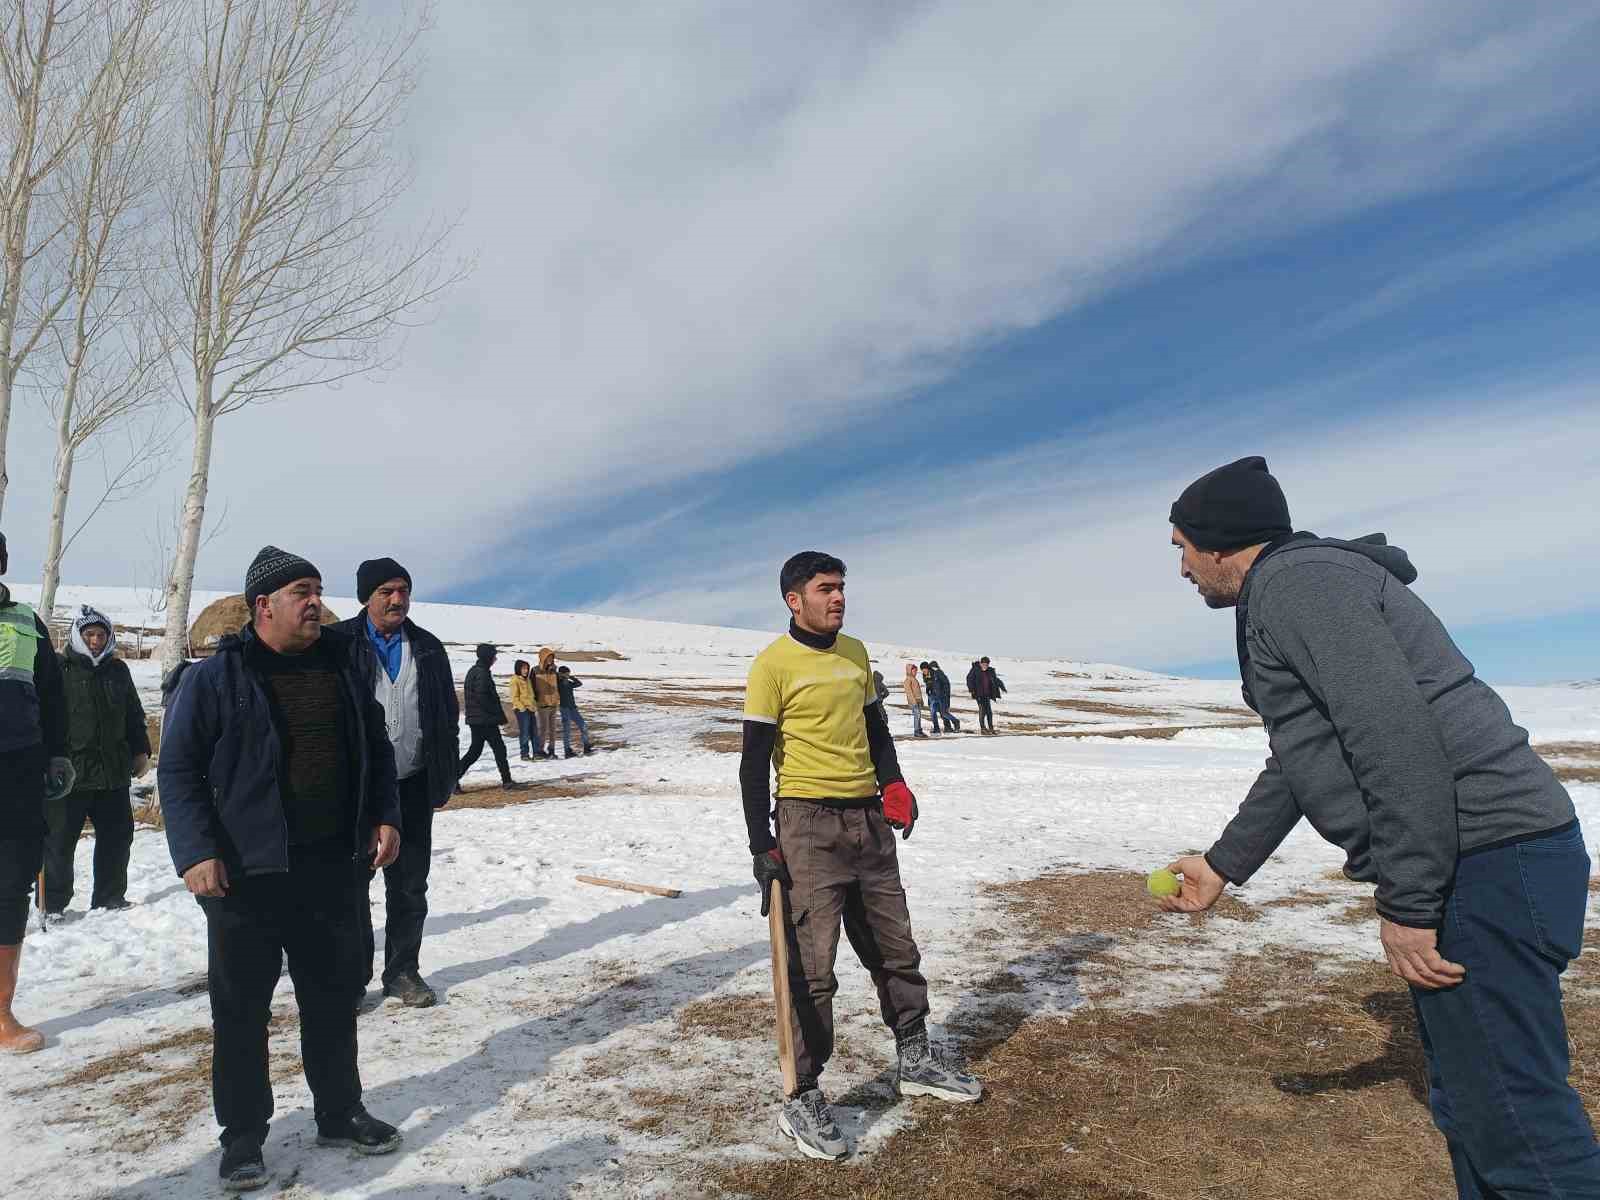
x=561, y=1002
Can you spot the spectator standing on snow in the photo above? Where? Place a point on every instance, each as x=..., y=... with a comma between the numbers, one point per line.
x=34, y=770
x=546, y=700
x=986, y=690
x=880, y=687
x=484, y=715
x=278, y=790
x=1384, y=738
x=110, y=747
x=522, y=707
x=408, y=671
x=568, y=684
x=913, y=689
x=942, y=681
x=811, y=711
x=931, y=685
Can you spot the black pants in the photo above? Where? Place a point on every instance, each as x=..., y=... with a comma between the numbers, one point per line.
x=111, y=813
x=986, y=715
x=21, y=836
x=491, y=735
x=312, y=913
x=405, y=886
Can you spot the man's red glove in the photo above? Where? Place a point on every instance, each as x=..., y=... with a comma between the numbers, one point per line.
x=900, y=807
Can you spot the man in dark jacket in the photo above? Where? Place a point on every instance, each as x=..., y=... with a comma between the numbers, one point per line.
x=277, y=786
x=34, y=767
x=110, y=748
x=408, y=672
x=952, y=724
x=1386, y=741
x=485, y=716
x=986, y=688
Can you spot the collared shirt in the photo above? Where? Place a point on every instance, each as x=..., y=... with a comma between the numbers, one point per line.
x=388, y=646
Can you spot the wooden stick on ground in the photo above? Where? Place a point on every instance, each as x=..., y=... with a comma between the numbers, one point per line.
x=648, y=889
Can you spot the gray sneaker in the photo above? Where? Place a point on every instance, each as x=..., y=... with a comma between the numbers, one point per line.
x=921, y=1070
x=809, y=1122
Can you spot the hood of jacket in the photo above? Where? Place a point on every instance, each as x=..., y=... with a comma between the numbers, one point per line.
x=547, y=659
x=1374, y=546
x=86, y=617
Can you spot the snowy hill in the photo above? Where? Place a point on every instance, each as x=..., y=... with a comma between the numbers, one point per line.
x=573, y=1015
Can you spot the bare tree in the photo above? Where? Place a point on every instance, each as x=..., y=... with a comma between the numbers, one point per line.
x=279, y=223
x=110, y=343
x=51, y=74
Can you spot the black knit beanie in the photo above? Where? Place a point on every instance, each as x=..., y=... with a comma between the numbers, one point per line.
x=1234, y=506
x=375, y=571
x=273, y=569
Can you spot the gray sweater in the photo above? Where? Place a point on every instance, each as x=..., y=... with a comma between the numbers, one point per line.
x=1382, y=737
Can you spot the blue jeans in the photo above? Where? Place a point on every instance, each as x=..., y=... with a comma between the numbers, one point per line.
x=916, y=720
x=525, y=735
x=1496, y=1044
x=570, y=717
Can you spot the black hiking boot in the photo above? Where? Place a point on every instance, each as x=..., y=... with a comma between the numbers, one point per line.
x=242, y=1168
x=411, y=990
x=588, y=750
x=360, y=1131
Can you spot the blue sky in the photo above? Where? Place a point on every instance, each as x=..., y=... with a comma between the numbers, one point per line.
x=966, y=294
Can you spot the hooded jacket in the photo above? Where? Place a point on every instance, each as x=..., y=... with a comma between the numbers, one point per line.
x=546, y=693
x=105, y=721
x=438, y=710
x=1382, y=736
x=913, y=687
x=222, y=757
x=521, y=693
x=32, y=708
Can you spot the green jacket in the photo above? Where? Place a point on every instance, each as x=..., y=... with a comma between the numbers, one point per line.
x=105, y=721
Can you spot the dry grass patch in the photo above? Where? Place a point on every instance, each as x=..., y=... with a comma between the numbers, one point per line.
x=1106, y=709
x=1582, y=751
x=733, y=1018
x=1569, y=774
x=1098, y=902
x=573, y=656
x=683, y=699
x=1290, y=1082
x=723, y=741
x=1153, y=733
x=568, y=787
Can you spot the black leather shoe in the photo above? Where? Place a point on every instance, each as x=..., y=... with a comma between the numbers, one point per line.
x=242, y=1168
x=410, y=989
x=360, y=1131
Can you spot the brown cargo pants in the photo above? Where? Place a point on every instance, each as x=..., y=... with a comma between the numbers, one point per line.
x=843, y=866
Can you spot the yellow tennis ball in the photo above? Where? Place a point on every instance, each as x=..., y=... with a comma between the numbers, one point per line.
x=1163, y=883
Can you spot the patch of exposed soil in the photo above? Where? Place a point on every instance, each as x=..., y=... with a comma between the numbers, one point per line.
x=568, y=787
x=723, y=741
x=1582, y=751
x=1156, y=733
x=1569, y=774
x=675, y=699
x=1290, y=1082
x=573, y=656
x=1106, y=709
x=730, y=1017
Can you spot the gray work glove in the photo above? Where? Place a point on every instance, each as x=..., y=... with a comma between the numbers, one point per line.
x=59, y=778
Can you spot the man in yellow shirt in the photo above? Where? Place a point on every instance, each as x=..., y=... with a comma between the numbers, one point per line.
x=811, y=710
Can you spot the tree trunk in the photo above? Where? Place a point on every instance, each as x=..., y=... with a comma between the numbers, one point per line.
x=65, y=451
x=180, y=584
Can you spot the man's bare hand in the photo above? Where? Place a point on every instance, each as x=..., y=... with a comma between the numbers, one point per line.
x=1199, y=888
x=208, y=878
x=1413, y=955
x=384, y=846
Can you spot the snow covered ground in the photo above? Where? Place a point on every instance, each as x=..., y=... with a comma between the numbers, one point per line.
x=562, y=1002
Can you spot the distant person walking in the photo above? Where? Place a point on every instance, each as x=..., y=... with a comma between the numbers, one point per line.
x=278, y=791
x=880, y=687
x=568, y=683
x=942, y=683
x=987, y=690
x=110, y=747
x=1387, y=742
x=484, y=715
x=34, y=770
x=913, y=690
x=546, y=700
x=522, y=707
x=930, y=685
x=408, y=671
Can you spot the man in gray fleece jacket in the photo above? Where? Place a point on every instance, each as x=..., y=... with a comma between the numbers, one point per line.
x=1385, y=740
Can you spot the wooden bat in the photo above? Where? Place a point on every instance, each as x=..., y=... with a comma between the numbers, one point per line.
x=780, y=986
x=649, y=889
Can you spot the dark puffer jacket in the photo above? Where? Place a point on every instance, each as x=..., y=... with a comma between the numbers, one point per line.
x=481, y=697
x=222, y=757
x=105, y=721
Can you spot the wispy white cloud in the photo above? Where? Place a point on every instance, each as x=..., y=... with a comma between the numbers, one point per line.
x=709, y=231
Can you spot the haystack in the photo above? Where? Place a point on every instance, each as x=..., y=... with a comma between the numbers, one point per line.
x=225, y=616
